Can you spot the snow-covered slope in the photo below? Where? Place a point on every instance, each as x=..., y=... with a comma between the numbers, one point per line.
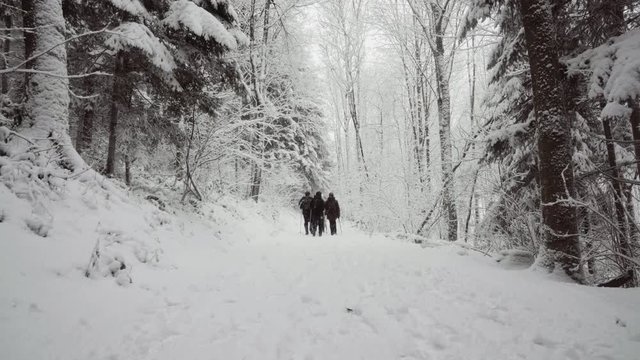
x=240, y=282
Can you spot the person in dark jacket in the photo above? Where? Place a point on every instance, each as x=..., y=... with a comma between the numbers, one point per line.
x=332, y=210
x=317, y=214
x=305, y=207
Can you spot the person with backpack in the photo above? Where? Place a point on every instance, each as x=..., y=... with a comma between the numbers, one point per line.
x=332, y=210
x=317, y=214
x=305, y=206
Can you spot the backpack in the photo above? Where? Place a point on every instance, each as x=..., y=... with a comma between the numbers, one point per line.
x=317, y=206
x=305, y=203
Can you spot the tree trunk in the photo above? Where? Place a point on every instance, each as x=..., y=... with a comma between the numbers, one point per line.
x=84, y=133
x=353, y=112
x=621, y=233
x=633, y=226
x=256, y=181
x=561, y=245
x=117, y=99
x=8, y=24
x=29, y=23
x=127, y=170
x=347, y=145
x=426, y=142
x=258, y=71
x=47, y=96
x=470, y=209
x=634, y=121
x=471, y=69
x=414, y=122
x=420, y=117
x=444, y=112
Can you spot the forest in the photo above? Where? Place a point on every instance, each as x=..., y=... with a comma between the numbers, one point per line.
x=485, y=155
x=506, y=124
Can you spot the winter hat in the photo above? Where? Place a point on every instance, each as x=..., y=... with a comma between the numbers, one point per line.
x=331, y=194
x=318, y=194
x=307, y=193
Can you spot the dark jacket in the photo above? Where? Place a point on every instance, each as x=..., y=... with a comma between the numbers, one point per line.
x=317, y=207
x=305, y=203
x=332, y=208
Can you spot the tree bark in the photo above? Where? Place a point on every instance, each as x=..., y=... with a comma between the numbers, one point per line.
x=561, y=245
x=117, y=99
x=127, y=170
x=8, y=24
x=256, y=182
x=84, y=133
x=444, y=111
x=47, y=96
x=470, y=209
x=29, y=23
x=353, y=113
x=617, y=198
x=634, y=121
x=258, y=72
x=471, y=69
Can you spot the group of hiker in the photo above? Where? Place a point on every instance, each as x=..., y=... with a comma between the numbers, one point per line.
x=314, y=211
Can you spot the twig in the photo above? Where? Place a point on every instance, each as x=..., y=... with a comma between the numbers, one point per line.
x=77, y=76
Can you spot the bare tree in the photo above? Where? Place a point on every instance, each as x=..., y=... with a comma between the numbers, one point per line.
x=344, y=20
x=435, y=21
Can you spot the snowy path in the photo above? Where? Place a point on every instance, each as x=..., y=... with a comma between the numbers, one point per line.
x=287, y=296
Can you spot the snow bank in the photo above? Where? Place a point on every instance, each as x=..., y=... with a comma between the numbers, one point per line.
x=67, y=255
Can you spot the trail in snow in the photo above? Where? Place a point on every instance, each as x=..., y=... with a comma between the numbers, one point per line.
x=288, y=296
x=361, y=297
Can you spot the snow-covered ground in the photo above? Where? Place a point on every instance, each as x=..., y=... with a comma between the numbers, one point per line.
x=240, y=282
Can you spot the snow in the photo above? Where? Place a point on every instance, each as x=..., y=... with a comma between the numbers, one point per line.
x=133, y=7
x=46, y=109
x=238, y=281
x=615, y=71
x=186, y=14
x=134, y=35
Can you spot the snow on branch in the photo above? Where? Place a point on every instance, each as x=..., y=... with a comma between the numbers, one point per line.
x=614, y=69
x=184, y=14
x=478, y=10
x=134, y=35
x=133, y=7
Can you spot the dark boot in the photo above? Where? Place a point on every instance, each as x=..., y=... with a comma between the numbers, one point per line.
x=332, y=226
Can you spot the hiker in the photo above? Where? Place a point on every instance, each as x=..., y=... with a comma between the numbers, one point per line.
x=305, y=206
x=332, y=209
x=317, y=214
